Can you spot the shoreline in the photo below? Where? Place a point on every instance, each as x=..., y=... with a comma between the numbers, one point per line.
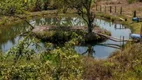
x=111, y=18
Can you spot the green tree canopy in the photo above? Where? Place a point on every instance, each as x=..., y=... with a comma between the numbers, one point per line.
x=83, y=7
x=11, y=7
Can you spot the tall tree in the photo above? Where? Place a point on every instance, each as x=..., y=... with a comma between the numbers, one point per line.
x=84, y=9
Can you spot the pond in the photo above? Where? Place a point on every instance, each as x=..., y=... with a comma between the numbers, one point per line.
x=9, y=36
x=103, y=50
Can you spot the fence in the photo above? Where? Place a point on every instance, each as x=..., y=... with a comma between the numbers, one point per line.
x=110, y=9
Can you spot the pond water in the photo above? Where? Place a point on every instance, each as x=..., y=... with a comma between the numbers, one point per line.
x=101, y=50
x=9, y=36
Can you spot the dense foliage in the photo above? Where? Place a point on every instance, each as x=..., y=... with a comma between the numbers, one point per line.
x=22, y=63
x=11, y=7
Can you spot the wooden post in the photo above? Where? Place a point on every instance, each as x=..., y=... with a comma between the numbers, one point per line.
x=134, y=14
x=100, y=8
x=110, y=9
x=105, y=9
x=96, y=8
x=120, y=41
x=125, y=19
x=141, y=34
x=121, y=10
x=115, y=26
x=129, y=35
x=123, y=43
x=115, y=9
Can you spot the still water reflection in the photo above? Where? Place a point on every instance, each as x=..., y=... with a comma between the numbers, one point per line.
x=103, y=51
x=9, y=36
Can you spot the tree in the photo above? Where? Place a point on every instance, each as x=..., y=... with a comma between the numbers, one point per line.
x=61, y=5
x=84, y=9
x=37, y=5
x=45, y=4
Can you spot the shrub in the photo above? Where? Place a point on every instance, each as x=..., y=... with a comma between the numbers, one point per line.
x=131, y=1
x=11, y=7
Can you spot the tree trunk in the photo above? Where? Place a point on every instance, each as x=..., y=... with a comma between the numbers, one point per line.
x=90, y=21
x=90, y=27
x=45, y=5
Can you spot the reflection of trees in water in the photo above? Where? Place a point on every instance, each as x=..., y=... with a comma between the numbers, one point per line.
x=90, y=51
x=119, y=27
x=9, y=33
x=60, y=21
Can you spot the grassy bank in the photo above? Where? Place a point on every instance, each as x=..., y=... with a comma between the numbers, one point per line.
x=125, y=65
x=121, y=65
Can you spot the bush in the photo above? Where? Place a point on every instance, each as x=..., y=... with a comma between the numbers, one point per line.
x=131, y=1
x=59, y=63
x=11, y=7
